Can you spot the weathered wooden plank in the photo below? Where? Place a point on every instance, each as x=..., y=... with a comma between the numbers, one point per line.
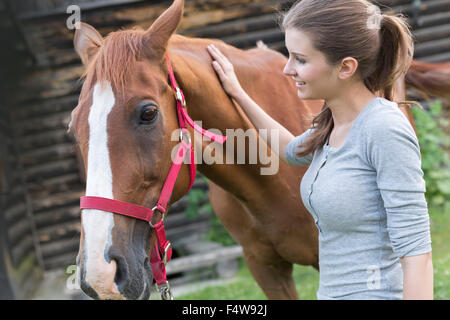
x=427, y=7
x=432, y=33
x=441, y=57
x=50, y=83
x=432, y=47
x=53, y=249
x=43, y=108
x=43, y=139
x=53, y=216
x=50, y=169
x=249, y=39
x=201, y=260
x=242, y=25
x=62, y=260
x=179, y=219
x=435, y=19
x=57, y=200
x=45, y=10
x=65, y=182
x=60, y=231
x=54, y=152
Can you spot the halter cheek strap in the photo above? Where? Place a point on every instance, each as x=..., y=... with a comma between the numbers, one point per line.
x=162, y=251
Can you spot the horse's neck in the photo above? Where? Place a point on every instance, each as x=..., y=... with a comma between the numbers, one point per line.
x=260, y=75
x=205, y=98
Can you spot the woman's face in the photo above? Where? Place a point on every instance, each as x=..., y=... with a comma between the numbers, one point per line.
x=314, y=77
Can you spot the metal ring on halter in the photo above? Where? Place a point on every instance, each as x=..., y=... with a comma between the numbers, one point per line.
x=162, y=216
x=164, y=291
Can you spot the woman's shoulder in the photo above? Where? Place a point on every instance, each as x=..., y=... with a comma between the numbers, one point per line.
x=386, y=118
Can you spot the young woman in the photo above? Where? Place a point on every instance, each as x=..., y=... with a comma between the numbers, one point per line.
x=364, y=186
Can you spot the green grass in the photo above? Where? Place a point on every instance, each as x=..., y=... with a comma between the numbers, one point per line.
x=307, y=279
x=440, y=237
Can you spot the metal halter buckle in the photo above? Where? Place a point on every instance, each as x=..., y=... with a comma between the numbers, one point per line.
x=180, y=97
x=164, y=291
x=164, y=260
x=183, y=134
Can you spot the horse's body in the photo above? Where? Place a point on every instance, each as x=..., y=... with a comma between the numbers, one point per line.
x=430, y=78
x=263, y=213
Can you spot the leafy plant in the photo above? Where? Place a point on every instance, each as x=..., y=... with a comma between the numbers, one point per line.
x=198, y=201
x=434, y=146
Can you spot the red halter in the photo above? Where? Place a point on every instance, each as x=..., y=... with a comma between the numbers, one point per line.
x=162, y=246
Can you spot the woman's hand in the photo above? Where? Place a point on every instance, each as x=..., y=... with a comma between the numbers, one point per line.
x=225, y=72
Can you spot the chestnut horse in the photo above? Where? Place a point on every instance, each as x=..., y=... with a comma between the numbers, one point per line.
x=128, y=159
x=430, y=79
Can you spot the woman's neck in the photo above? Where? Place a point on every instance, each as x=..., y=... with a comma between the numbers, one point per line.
x=347, y=106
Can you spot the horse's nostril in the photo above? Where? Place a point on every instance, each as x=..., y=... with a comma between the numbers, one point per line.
x=121, y=276
x=87, y=289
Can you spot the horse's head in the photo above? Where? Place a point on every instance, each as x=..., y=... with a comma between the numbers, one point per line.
x=123, y=125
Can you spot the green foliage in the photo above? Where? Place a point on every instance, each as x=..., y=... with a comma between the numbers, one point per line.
x=217, y=233
x=433, y=142
x=198, y=201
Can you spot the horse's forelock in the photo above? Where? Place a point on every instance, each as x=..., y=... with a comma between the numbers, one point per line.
x=116, y=58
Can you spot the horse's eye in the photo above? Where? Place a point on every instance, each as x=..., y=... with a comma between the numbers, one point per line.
x=148, y=114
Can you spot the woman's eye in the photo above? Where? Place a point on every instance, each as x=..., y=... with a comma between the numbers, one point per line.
x=148, y=114
x=300, y=60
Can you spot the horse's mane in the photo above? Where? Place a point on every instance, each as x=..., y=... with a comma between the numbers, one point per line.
x=115, y=58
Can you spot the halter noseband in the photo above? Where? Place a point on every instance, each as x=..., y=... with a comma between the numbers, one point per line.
x=162, y=247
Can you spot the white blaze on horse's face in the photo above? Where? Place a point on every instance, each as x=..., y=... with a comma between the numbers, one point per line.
x=97, y=225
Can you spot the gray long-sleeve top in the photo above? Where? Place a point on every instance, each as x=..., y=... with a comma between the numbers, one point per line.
x=368, y=202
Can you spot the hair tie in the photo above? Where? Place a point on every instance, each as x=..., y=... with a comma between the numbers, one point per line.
x=375, y=17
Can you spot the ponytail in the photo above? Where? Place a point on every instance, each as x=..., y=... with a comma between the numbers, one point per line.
x=394, y=57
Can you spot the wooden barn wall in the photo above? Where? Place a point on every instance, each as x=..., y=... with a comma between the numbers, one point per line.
x=18, y=247
x=49, y=92
x=20, y=262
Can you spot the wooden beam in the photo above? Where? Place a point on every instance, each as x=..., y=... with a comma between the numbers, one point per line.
x=201, y=260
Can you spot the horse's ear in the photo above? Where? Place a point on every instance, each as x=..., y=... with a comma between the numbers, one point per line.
x=86, y=41
x=158, y=35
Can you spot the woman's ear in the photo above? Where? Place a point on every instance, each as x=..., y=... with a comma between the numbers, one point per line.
x=87, y=41
x=347, y=68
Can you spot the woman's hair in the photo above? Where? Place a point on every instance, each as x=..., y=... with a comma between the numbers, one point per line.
x=381, y=43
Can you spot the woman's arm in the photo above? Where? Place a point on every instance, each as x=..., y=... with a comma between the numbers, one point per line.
x=259, y=118
x=394, y=153
x=417, y=277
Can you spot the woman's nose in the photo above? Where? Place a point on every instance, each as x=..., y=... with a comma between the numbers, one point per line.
x=288, y=70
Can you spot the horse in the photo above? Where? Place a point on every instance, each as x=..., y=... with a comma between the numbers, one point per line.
x=123, y=125
x=430, y=79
